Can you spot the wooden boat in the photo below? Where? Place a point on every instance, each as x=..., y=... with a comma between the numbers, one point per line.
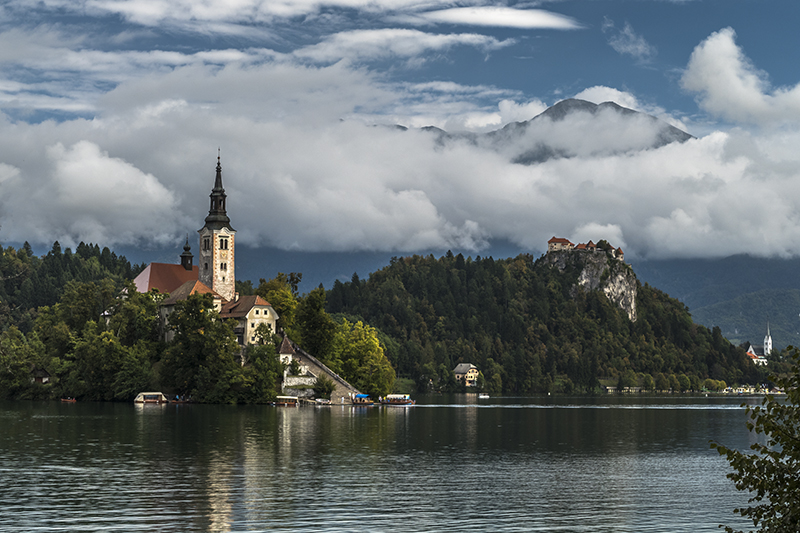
x=285, y=401
x=362, y=400
x=151, y=397
x=68, y=400
x=401, y=400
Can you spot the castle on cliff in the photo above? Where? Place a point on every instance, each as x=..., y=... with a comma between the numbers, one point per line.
x=559, y=244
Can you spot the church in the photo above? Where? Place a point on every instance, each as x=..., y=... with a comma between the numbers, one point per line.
x=758, y=354
x=214, y=275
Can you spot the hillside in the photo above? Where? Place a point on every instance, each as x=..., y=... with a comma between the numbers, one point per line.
x=738, y=293
x=744, y=318
x=535, y=325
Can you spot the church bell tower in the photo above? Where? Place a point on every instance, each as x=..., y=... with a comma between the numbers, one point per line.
x=217, y=244
x=767, y=343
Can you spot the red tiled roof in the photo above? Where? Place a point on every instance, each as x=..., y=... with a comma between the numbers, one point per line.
x=242, y=306
x=189, y=288
x=581, y=246
x=164, y=277
x=559, y=240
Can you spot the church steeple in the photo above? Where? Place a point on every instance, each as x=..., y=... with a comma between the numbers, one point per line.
x=217, y=250
x=767, y=342
x=217, y=214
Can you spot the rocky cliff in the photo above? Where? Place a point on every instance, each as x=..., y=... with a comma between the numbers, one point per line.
x=600, y=271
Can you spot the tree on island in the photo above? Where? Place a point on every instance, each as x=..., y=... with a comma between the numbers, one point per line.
x=772, y=473
x=201, y=361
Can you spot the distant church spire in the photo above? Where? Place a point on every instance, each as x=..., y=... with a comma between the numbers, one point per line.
x=767, y=342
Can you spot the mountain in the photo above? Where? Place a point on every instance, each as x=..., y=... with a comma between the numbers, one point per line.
x=605, y=129
x=739, y=294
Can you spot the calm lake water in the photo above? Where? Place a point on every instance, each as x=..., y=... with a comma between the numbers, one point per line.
x=451, y=463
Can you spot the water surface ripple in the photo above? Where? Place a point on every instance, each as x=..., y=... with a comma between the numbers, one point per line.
x=452, y=463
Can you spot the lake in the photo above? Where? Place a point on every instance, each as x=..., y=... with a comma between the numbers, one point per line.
x=450, y=463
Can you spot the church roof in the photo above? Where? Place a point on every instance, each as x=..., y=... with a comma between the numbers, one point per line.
x=286, y=347
x=189, y=288
x=756, y=350
x=164, y=277
x=242, y=306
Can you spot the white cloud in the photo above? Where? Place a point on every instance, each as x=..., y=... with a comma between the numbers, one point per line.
x=208, y=14
x=83, y=194
x=628, y=42
x=499, y=16
x=728, y=85
x=388, y=43
x=599, y=94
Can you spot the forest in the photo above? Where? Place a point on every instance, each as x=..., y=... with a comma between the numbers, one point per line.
x=76, y=318
x=523, y=324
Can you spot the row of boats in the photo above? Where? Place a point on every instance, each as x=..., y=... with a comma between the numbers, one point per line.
x=358, y=400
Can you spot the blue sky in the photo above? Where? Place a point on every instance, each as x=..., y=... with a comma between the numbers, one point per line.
x=112, y=111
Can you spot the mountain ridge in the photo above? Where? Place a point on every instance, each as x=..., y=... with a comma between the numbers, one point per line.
x=541, y=138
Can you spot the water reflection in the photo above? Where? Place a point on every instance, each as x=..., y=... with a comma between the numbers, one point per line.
x=508, y=464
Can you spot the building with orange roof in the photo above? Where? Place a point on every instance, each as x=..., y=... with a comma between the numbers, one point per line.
x=558, y=243
x=249, y=312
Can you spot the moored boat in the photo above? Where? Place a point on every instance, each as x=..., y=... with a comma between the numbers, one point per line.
x=151, y=397
x=397, y=399
x=285, y=401
x=362, y=400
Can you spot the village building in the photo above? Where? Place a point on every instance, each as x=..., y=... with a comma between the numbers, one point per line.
x=466, y=373
x=557, y=244
x=758, y=354
x=215, y=275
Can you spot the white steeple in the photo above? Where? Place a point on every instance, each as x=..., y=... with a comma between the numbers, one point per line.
x=767, y=343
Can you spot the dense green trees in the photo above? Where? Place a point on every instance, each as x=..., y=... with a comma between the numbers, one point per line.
x=358, y=356
x=528, y=329
x=28, y=282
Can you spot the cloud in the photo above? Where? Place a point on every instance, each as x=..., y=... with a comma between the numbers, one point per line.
x=729, y=86
x=83, y=194
x=498, y=16
x=223, y=16
x=627, y=42
x=310, y=164
x=599, y=94
x=343, y=186
x=388, y=43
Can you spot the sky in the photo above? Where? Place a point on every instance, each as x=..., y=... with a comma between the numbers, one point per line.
x=113, y=113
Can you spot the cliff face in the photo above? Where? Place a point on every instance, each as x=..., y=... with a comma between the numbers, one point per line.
x=599, y=271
